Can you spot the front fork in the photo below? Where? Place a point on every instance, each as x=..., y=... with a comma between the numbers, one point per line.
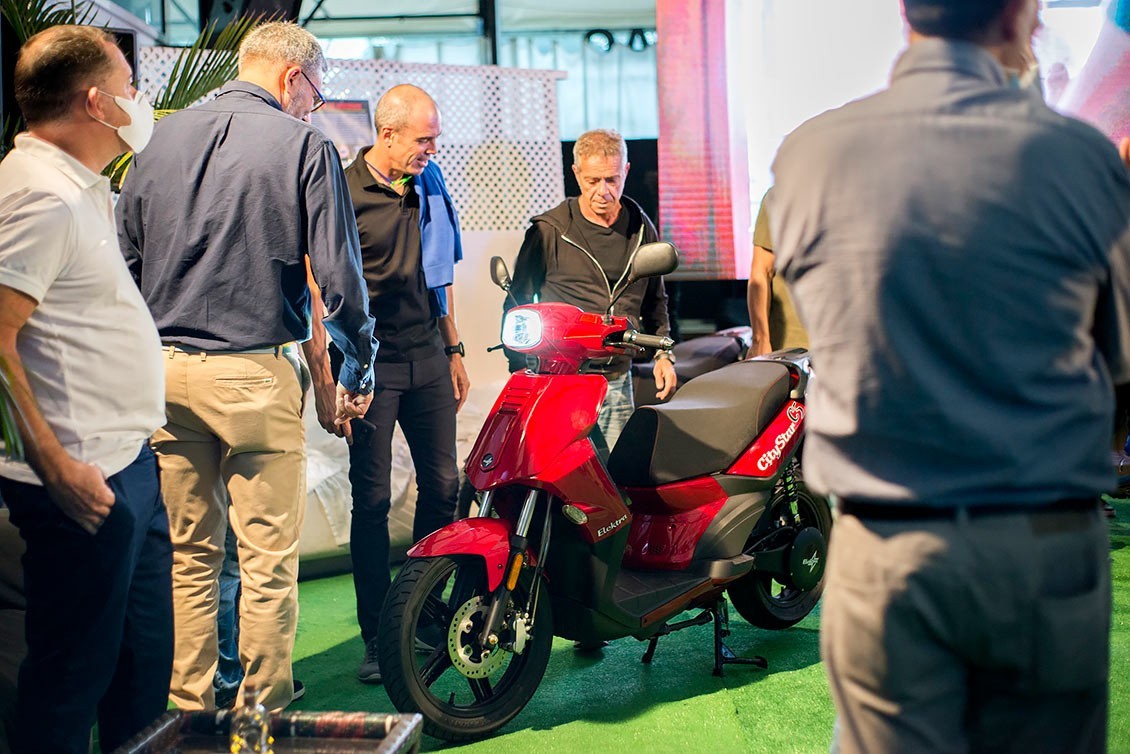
x=517, y=558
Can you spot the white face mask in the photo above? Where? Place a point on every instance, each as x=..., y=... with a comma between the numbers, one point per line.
x=137, y=132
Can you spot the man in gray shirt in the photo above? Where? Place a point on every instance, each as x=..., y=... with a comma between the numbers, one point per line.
x=958, y=252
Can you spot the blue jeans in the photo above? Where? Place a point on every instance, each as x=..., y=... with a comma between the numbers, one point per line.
x=99, y=615
x=618, y=406
x=229, y=671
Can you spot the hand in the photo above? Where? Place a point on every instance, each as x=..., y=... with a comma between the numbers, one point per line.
x=81, y=492
x=459, y=380
x=325, y=403
x=351, y=405
x=758, y=348
x=665, y=378
x=1124, y=150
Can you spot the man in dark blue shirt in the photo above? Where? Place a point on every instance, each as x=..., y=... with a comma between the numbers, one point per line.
x=217, y=220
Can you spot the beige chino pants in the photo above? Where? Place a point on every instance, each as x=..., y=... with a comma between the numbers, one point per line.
x=234, y=432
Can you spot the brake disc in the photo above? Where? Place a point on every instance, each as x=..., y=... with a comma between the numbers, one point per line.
x=467, y=654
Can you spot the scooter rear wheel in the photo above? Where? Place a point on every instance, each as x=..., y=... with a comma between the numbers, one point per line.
x=462, y=692
x=760, y=598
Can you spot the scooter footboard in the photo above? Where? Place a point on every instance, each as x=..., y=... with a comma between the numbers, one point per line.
x=487, y=538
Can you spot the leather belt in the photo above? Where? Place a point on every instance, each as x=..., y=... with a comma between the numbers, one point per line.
x=176, y=348
x=897, y=511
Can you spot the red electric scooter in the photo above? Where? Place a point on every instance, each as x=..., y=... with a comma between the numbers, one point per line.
x=701, y=496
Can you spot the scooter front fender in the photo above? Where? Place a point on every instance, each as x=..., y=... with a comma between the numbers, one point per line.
x=487, y=538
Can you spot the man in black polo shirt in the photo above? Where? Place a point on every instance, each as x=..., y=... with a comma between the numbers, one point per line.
x=409, y=246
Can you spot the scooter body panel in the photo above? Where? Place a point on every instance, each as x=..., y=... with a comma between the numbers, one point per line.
x=563, y=462
x=669, y=521
x=509, y=449
x=768, y=454
x=487, y=538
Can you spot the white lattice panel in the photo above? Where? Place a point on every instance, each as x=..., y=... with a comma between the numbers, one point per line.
x=500, y=150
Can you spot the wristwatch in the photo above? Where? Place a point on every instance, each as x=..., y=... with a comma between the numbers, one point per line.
x=455, y=349
x=669, y=355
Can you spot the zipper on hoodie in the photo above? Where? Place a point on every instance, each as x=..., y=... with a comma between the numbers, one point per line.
x=604, y=277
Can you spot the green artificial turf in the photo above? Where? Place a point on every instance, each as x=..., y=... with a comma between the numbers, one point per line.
x=612, y=702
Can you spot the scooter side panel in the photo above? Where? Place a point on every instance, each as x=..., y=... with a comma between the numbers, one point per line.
x=668, y=522
x=488, y=538
x=765, y=457
x=535, y=419
x=576, y=476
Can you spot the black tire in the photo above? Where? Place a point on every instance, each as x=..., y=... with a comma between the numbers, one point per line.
x=427, y=594
x=759, y=597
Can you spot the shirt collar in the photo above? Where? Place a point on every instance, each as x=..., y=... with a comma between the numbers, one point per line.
x=369, y=181
x=935, y=54
x=254, y=90
x=66, y=164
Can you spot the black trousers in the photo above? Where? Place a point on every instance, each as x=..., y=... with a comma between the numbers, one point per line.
x=99, y=615
x=419, y=396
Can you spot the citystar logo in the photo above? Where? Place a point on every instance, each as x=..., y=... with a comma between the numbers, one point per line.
x=795, y=413
x=605, y=529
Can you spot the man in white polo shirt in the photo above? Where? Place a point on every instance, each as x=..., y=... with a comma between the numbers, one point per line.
x=83, y=355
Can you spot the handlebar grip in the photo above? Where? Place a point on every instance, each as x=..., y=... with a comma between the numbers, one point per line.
x=648, y=341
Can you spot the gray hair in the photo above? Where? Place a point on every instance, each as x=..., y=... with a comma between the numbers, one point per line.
x=283, y=42
x=600, y=142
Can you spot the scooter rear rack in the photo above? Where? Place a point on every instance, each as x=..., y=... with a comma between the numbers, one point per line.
x=719, y=613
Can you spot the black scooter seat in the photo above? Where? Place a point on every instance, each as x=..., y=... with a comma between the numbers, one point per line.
x=703, y=429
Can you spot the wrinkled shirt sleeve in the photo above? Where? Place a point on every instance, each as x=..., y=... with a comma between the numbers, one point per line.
x=335, y=256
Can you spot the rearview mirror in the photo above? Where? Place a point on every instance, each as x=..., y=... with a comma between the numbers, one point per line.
x=652, y=259
x=499, y=273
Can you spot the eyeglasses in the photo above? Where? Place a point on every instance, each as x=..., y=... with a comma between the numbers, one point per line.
x=319, y=100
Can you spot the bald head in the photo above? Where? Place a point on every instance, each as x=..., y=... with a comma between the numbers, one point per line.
x=397, y=107
x=408, y=127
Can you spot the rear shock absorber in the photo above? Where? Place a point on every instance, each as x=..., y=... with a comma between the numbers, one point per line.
x=789, y=487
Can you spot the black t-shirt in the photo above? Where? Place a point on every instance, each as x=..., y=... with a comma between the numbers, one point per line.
x=389, y=226
x=609, y=246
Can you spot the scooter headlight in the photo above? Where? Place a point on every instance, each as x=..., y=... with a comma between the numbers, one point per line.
x=521, y=329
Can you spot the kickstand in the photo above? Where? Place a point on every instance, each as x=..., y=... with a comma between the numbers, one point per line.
x=699, y=620
x=723, y=655
x=650, y=653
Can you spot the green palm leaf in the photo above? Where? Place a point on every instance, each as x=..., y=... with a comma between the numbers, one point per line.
x=9, y=430
x=198, y=70
x=29, y=17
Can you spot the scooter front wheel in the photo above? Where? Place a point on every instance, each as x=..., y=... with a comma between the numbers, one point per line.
x=432, y=659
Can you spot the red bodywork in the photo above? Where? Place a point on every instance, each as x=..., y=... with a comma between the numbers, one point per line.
x=775, y=444
x=537, y=436
x=570, y=336
x=669, y=521
x=488, y=538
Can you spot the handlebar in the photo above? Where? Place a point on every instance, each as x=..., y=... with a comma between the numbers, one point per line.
x=647, y=341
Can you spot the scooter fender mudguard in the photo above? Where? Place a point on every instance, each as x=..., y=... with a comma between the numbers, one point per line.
x=487, y=538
